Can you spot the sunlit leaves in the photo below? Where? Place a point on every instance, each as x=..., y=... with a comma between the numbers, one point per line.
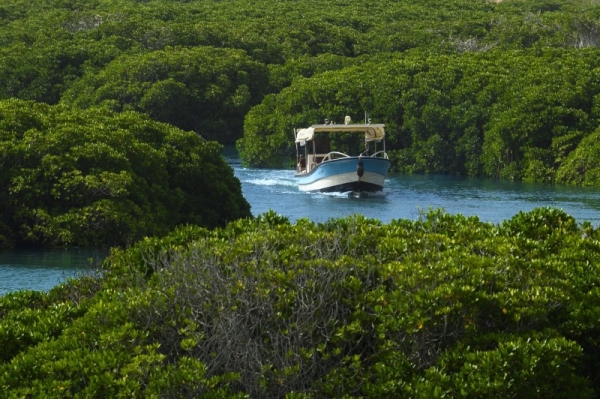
x=581, y=166
x=442, y=305
x=490, y=97
x=416, y=305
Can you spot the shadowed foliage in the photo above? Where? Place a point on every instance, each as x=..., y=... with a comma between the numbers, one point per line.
x=97, y=179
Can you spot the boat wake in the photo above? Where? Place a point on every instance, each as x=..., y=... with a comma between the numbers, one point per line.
x=281, y=181
x=354, y=194
x=270, y=182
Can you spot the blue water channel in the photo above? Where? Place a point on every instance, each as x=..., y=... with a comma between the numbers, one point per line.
x=404, y=197
x=40, y=270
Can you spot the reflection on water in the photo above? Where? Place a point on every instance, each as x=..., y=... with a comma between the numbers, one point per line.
x=40, y=270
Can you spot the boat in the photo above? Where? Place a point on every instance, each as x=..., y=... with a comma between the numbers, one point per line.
x=319, y=169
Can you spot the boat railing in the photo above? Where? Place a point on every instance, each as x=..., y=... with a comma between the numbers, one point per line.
x=333, y=155
x=313, y=161
x=381, y=154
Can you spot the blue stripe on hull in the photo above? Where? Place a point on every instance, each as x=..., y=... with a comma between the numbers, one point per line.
x=340, y=175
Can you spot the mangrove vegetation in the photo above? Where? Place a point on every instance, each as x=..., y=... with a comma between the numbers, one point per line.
x=503, y=89
x=113, y=114
x=442, y=306
x=95, y=178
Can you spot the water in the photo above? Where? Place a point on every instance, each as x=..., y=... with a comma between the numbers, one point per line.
x=404, y=197
x=40, y=270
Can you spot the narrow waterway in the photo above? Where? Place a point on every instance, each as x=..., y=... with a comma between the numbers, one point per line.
x=40, y=270
x=404, y=197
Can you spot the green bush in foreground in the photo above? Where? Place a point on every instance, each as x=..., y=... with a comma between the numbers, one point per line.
x=441, y=306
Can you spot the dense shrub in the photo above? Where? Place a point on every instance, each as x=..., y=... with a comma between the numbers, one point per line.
x=505, y=89
x=96, y=178
x=492, y=113
x=203, y=89
x=440, y=306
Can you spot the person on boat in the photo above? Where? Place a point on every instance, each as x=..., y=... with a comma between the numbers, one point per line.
x=302, y=164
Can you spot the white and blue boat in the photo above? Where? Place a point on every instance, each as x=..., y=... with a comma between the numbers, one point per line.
x=321, y=170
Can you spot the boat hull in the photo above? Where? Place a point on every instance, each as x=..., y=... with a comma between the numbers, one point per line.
x=340, y=175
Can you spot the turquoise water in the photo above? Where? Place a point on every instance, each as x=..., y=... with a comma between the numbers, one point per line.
x=40, y=270
x=404, y=197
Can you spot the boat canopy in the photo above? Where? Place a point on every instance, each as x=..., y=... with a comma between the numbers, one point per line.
x=373, y=132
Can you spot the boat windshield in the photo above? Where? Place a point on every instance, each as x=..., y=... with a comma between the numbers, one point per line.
x=322, y=144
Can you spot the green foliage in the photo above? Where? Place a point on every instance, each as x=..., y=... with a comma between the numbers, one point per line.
x=500, y=89
x=203, y=89
x=518, y=367
x=95, y=178
x=496, y=114
x=28, y=318
x=581, y=166
x=440, y=306
x=540, y=224
x=268, y=128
